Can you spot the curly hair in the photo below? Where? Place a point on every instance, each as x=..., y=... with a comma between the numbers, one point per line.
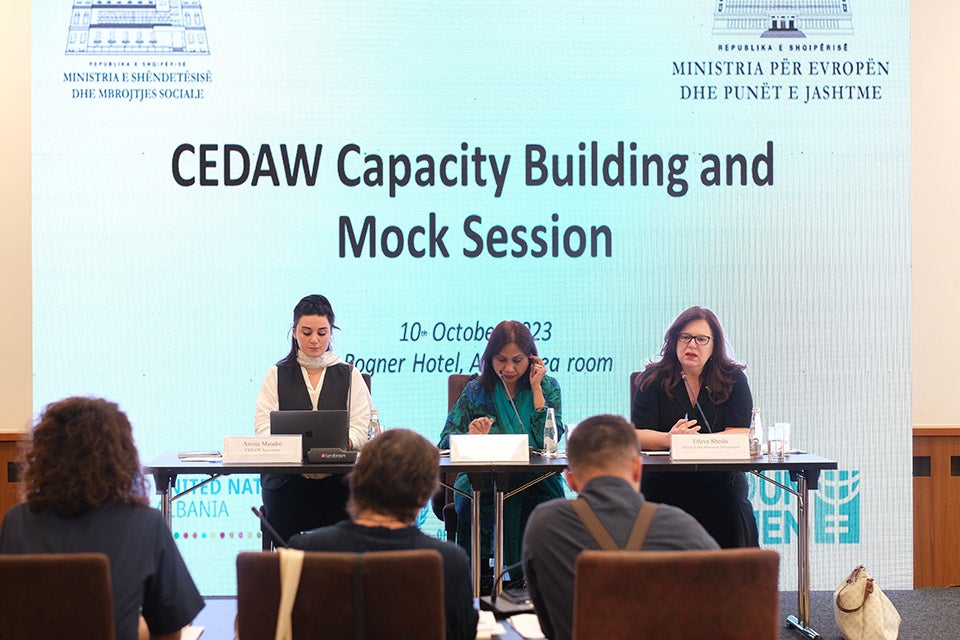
x=717, y=374
x=395, y=475
x=82, y=457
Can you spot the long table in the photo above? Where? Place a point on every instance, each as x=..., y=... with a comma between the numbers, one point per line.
x=804, y=470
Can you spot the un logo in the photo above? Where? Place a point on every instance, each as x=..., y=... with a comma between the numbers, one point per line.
x=837, y=508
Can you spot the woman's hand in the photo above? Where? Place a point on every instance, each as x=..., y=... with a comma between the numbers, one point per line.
x=537, y=371
x=685, y=426
x=480, y=426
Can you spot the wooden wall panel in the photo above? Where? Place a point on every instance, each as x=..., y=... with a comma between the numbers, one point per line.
x=936, y=507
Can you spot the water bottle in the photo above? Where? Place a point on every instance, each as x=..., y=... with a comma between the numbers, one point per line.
x=550, y=435
x=374, y=429
x=756, y=433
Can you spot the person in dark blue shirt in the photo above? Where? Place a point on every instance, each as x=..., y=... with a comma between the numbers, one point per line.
x=395, y=476
x=85, y=492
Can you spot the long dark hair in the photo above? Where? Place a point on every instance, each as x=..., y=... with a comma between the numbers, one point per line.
x=507, y=332
x=717, y=376
x=82, y=457
x=312, y=305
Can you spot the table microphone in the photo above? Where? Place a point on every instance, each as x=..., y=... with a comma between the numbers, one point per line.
x=696, y=401
x=273, y=532
x=499, y=579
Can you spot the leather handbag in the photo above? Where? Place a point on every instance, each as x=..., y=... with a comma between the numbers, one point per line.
x=863, y=611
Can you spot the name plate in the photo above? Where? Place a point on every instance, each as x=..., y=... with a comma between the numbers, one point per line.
x=489, y=447
x=285, y=448
x=710, y=446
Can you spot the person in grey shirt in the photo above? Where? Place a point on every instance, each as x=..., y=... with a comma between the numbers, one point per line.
x=604, y=469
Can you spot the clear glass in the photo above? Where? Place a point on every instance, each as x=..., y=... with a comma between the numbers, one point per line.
x=550, y=435
x=777, y=437
x=784, y=430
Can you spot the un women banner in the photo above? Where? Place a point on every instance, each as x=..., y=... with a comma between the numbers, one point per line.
x=590, y=169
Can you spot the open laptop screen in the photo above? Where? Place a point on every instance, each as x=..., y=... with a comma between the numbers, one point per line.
x=321, y=429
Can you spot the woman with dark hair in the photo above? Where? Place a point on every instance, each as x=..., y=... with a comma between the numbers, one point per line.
x=85, y=492
x=394, y=478
x=310, y=377
x=696, y=388
x=511, y=395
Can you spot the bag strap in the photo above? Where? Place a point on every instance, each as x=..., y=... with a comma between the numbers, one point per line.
x=603, y=538
x=291, y=565
x=640, y=526
x=359, y=630
x=868, y=589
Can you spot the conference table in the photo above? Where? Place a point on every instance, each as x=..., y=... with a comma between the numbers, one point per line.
x=804, y=470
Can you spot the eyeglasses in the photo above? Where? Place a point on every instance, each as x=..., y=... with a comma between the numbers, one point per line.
x=702, y=341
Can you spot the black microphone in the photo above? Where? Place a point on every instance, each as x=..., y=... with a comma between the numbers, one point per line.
x=696, y=401
x=273, y=532
x=507, y=391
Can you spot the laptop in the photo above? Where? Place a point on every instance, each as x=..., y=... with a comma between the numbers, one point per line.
x=326, y=433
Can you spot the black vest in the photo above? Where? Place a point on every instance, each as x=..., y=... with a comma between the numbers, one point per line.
x=292, y=395
x=292, y=391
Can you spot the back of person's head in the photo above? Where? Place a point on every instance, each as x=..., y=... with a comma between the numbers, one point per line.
x=602, y=443
x=82, y=457
x=395, y=475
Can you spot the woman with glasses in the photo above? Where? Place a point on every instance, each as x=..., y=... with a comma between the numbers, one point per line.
x=311, y=376
x=511, y=395
x=696, y=388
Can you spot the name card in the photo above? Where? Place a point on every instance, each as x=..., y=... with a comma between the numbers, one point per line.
x=710, y=446
x=489, y=447
x=284, y=448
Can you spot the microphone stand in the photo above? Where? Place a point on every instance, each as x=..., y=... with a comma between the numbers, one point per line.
x=510, y=398
x=696, y=401
x=277, y=538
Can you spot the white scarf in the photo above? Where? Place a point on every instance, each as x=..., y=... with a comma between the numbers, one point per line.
x=322, y=362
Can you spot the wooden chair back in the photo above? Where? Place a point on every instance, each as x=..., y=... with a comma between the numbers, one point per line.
x=442, y=502
x=56, y=595
x=456, y=383
x=724, y=594
x=633, y=390
x=383, y=594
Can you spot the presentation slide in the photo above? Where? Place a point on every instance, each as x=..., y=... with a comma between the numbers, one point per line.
x=591, y=169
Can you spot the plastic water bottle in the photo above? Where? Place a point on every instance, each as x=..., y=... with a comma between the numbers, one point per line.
x=550, y=436
x=374, y=429
x=756, y=433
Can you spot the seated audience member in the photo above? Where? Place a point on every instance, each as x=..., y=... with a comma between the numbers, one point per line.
x=604, y=469
x=395, y=476
x=85, y=492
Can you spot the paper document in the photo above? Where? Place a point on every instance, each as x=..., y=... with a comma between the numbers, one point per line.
x=526, y=624
x=190, y=633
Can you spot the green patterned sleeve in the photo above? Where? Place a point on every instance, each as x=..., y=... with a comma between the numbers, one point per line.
x=468, y=406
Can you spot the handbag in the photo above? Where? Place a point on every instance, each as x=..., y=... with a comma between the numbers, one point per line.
x=863, y=611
